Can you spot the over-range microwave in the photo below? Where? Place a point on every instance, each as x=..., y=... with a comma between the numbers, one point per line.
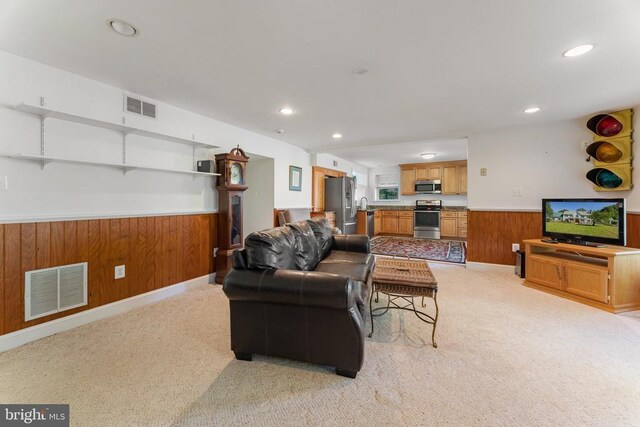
x=428, y=187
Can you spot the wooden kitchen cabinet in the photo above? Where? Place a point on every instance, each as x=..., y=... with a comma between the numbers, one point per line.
x=462, y=180
x=450, y=180
x=407, y=181
x=453, y=223
x=395, y=222
x=449, y=227
x=435, y=173
x=422, y=173
x=454, y=179
x=317, y=190
x=389, y=224
x=405, y=225
x=452, y=174
x=318, y=174
x=377, y=223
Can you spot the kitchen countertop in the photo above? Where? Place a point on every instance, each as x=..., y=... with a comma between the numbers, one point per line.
x=409, y=208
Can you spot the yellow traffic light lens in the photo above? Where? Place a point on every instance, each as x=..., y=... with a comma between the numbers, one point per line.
x=604, y=152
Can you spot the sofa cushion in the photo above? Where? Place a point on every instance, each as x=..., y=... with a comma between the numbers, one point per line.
x=345, y=257
x=358, y=272
x=271, y=249
x=323, y=233
x=307, y=251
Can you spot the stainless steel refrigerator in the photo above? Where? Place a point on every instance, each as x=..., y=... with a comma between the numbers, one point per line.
x=340, y=196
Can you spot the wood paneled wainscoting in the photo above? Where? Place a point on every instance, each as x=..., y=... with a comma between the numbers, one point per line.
x=491, y=233
x=157, y=251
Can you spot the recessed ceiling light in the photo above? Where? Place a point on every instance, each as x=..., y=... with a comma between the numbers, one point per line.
x=287, y=111
x=123, y=28
x=428, y=155
x=578, y=50
x=531, y=110
x=336, y=135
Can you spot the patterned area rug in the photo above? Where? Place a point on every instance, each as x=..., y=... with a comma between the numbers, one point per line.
x=436, y=250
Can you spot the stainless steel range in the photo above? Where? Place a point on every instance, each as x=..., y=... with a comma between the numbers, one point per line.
x=426, y=219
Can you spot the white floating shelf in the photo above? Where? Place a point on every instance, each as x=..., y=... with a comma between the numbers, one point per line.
x=47, y=112
x=124, y=167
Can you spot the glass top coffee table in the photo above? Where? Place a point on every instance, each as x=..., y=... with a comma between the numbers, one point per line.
x=401, y=280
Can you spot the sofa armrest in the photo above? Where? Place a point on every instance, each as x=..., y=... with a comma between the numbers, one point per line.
x=293, y=287
x=351, y=243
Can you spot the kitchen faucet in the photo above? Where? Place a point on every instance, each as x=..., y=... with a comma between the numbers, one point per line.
x=364, y=206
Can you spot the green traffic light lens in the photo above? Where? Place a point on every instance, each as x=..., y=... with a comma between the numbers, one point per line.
x=604, y=178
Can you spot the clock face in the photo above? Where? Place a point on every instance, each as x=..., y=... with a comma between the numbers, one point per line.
x=235, y=174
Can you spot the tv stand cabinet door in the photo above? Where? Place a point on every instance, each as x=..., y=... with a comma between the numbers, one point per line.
x=587, y=281
x=545, y=271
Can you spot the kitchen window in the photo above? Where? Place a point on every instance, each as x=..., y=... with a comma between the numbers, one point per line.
x=387, y=187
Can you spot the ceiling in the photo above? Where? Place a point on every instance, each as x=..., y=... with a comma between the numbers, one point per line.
x=407, y=152
x=438, y=69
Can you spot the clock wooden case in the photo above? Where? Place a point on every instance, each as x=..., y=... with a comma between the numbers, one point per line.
x=231, y=186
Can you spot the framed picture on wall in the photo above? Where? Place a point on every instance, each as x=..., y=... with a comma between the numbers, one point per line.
x=295, y=178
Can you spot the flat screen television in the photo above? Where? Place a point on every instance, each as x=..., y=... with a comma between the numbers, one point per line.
x=593, y=222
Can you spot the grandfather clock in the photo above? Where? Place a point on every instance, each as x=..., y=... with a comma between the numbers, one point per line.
x=231, y=185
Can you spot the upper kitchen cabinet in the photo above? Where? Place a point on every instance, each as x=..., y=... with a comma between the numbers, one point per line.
x=452, y=174
x=407, y=180
x=454, y=179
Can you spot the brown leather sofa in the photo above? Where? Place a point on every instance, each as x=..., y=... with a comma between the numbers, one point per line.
x=299, y=292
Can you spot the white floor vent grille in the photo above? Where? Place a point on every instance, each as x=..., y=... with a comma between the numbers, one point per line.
x=52, y=290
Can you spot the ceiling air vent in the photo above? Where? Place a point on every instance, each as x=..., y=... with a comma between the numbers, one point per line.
x=52, y=290
x=140, y=107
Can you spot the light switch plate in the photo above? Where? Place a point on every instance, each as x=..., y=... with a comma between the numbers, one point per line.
x=119, y=272
x=483, y=171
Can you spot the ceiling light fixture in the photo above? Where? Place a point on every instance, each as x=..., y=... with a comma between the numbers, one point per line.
x=280, y=131
x=123, y=28
x=428, y=155
x=287, y=111
x=336, y=135
x=531, y=110
x=578, y=50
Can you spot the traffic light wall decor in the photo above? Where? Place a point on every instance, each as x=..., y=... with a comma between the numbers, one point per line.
x=611, y=151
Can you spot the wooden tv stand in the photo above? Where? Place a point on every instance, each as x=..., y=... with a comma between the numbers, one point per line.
x=607, y=277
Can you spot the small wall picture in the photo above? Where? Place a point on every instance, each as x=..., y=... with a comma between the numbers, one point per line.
x=295, y=178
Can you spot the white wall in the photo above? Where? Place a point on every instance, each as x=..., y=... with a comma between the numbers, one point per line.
x=545, y=160
x=258, y=206
x=447, y=200
x=62, y=190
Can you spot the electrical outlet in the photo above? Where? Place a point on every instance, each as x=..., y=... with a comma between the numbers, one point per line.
x=584, y=145
x=4, y=183
x=515, y=247
x=483, y=171
x=517, y=192
x=119, y=272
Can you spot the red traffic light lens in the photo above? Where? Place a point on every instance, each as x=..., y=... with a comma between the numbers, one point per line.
x=604, y=125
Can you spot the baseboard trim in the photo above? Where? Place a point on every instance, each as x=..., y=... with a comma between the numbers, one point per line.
x=24, y=336
x=480, y=266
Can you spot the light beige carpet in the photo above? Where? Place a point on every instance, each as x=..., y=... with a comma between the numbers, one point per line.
x=507, y=355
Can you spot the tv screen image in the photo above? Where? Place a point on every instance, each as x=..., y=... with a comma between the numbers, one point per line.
x=589, y=220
